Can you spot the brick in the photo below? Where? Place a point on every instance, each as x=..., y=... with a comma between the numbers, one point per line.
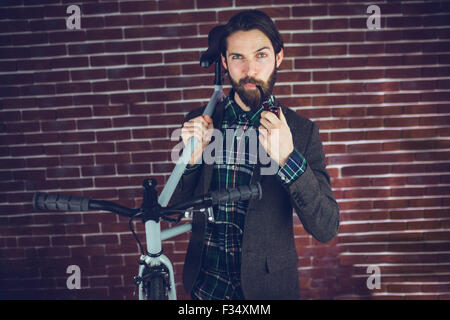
x=366, y=49
x=96, y=147
x=93, y=124
x=127, y=98
x=63, y=172
x=109, y=86
x=330, y=75
x=329, y=50
x=315, y=113
x=324, y=24
x=98, y=170
x=109, y=110
x=111, y=60
x=107, y=181
x=76, y=160
x=133, y=168
x=297, y=24
x=88, y=74
x=132, y=121
x=113, y=135
x=146, y=84
x=90, y=99
x=310, y=63
x=365, y=99
x=133, y=146
x=302, y=89
x=101, y=239
x=112, y=158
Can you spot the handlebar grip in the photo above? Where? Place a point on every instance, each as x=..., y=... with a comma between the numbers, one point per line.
x=60, y=202
x=253, y=191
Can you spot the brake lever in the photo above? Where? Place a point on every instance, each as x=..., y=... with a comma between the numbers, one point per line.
x=188, y=213
x=209, y=213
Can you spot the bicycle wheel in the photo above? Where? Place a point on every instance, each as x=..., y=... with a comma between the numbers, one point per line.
x=157, y=290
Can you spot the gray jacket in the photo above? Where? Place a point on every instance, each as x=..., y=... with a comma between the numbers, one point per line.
x=269, y=256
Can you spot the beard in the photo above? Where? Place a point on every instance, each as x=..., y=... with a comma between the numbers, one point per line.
x=252, y=97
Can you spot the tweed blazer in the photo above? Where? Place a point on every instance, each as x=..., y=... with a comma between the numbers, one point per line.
x=269, y=256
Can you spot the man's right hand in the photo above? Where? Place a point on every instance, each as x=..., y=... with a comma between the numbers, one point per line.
x=200, y=127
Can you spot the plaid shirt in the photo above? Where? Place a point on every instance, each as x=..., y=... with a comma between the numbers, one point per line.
x=219, y=277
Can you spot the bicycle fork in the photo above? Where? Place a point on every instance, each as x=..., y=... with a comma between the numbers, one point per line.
x=154, y=237
x=155, y=259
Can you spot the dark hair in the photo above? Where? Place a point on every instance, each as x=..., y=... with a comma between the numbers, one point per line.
x=248, y=20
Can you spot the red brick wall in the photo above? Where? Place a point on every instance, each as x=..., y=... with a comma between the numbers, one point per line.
x=90, y=112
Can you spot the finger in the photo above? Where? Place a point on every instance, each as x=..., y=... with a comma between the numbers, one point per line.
x=270, y=116
x=282, y=117
x=187, y=132
x=199, y=119
x=262, y=139
x=267, y=124
x=196, y=124
x=207, y=118
x=190, y=134
x=262, y=130
x=264, y=142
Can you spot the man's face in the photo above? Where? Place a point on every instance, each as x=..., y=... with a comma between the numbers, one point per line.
x=250, y=61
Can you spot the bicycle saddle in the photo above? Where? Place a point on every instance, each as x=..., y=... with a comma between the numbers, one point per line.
x=212, y=54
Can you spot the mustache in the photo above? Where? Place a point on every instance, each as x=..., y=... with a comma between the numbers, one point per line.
x=247, y=79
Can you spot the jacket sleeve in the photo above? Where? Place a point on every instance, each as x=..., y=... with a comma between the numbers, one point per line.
x=311, y=193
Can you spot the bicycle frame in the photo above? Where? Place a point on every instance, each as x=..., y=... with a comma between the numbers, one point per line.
x=153, y=260
x=155, y=279
x=154, y=236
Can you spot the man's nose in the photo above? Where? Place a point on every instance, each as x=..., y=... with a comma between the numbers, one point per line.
x=251, y=69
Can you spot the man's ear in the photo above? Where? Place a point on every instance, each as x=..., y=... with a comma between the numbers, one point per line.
x=224, y=62
x=279, y=57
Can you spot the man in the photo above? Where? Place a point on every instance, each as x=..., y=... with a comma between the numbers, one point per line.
x=249, y=251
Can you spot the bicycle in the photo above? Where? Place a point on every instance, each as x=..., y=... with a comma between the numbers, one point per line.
x=155, y=278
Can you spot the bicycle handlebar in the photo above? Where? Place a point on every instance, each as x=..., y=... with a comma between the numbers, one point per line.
x=61, y=202
x=240, y=193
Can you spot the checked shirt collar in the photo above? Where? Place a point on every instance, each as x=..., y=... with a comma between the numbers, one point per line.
x=234, y=113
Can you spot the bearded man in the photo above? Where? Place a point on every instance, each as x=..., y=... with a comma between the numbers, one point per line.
x=249, y=252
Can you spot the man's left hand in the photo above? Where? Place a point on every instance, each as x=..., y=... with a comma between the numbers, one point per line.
x=275, y=137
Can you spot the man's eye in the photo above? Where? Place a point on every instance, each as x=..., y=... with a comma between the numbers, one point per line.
x=262, y=55
x=236, y=57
